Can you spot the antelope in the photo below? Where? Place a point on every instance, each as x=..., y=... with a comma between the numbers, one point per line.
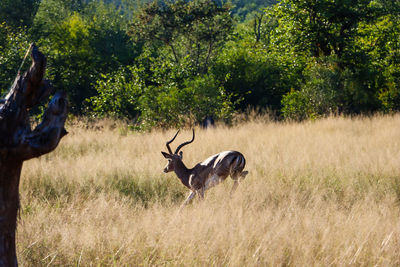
x=207, y=173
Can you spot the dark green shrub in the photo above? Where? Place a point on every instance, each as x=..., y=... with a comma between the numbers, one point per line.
x=261, y=79
x=295, y=106
x=318, y=97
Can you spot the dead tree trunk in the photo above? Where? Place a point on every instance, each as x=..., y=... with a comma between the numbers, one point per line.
x=18, y=142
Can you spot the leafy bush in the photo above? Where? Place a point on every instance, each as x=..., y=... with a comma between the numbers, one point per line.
x=390, y=99
x=295, y=106
x=168, y=105
x=117, y=94
x=260, y=79
x=318, y=97
x=168, y=97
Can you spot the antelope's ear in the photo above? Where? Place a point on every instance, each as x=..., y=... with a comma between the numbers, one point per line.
x=166, y=155
x=181, y=154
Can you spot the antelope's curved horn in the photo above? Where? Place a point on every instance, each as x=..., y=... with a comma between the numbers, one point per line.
x=170, y=141
x=184, y=144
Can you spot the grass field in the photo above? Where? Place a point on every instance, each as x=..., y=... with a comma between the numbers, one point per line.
x=318, y=194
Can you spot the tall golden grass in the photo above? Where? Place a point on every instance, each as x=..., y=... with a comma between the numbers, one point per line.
x=318, y=194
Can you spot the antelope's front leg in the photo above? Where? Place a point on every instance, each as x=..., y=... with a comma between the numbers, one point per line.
x=190, y=197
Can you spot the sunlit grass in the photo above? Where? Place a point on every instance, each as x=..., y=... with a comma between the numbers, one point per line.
x=318, y=193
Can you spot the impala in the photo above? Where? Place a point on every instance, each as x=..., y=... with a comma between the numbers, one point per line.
x=208, y=173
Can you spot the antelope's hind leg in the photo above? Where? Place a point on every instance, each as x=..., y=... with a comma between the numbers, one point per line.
x=236, y=179
x=235, y=185
x=201, y=193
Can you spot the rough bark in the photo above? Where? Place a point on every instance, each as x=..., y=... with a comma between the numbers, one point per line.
x=18, y=142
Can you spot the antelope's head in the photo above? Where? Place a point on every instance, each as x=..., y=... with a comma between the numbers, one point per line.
x=173, y=158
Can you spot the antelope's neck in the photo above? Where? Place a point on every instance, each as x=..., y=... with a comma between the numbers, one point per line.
x=182, y=172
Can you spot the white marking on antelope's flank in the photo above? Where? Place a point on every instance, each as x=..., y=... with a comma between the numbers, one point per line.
x=218, y=157
x=208, y=160
x=221, y=156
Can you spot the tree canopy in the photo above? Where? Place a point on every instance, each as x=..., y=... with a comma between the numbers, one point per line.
x=167, y=63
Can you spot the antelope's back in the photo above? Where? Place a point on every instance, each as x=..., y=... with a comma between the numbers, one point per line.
x=226, y=162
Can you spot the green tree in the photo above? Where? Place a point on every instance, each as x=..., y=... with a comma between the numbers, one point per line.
x=245, y=8
x=83, y=40
x=18, y=13
x=382, y=44
x=13, y=46
x=332, y=28
x=194, y=29
x=322, y=27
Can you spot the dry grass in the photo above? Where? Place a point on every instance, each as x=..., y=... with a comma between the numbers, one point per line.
x=318, y=194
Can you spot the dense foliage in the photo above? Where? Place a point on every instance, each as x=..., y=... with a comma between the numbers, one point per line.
x=167, y=63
